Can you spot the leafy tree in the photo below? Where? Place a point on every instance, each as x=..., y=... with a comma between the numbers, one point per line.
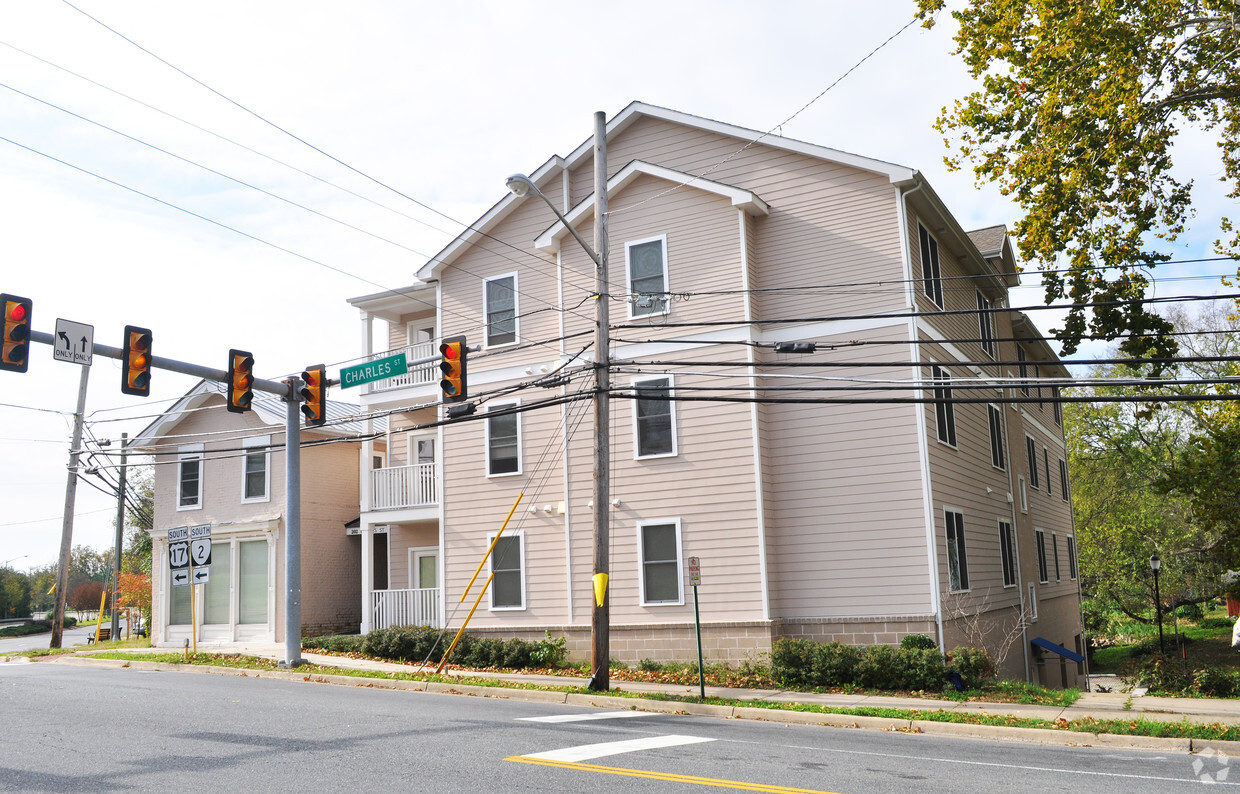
x=85, y=596
x=14, y=594
x=134, y=592
x=1080, y=105
x=140, y=510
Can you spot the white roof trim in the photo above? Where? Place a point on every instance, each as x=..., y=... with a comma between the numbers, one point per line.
x=745, y=200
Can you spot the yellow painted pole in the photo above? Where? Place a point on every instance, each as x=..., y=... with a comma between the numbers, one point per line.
x=103, y=599
x=443, y=662
x=193, y=608
x=483, y=561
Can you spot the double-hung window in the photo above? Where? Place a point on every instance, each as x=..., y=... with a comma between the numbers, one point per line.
x=1046, y=463
x=1022, y=370
x=503, y=440
x=500, y=299
x=1007, y=550
x=1040, y=536
x=654, y=424
x=1031, y=452
x=985, y=323
x=997, y=458
x=646, y=262
x=1063, y=480
x=1055, y=553
x=659, y=543
x=508, y=568
x=189, y=477
x=1071, y=556
x=256, y=469
x=944, y=412
x=957, y=560
x=931, y=277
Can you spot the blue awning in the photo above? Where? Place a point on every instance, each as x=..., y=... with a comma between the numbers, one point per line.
x=1059, y=649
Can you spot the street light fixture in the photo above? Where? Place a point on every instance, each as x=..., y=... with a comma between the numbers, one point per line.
x=6, y=562
x=600, y=621
x=1155, y=566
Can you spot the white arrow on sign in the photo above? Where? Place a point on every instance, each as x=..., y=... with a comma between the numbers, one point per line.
x=180, y=577
x=201, y=575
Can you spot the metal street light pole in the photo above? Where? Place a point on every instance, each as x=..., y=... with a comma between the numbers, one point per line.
x=1155, y=565
x=600, y=620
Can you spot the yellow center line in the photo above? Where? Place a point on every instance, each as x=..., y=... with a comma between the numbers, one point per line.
x=700, y=781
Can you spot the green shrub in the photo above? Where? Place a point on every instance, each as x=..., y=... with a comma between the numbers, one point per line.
x=1216, y=623
x=1192, y=612
x=918, y=642
x=406, y=644
x=1158, y=672
x=649, y=666
x=340, y=643
x=1216, y=682
x=923, y=669
x=973, y=665
x=792, y=661
x=835, y=664
x=550, y=652
x=880, y=667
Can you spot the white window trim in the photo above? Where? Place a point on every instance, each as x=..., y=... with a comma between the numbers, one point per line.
x=1023, y=492
x=960, y=512
x=416, y=552
x=486, y=313
x=936, y=277
x=628, y=278
x=940, y=378
x=1007, y=531
x=191, y=452
x=520, y=537
x=257, y=441
x=411, y=447
x=671, y=408
x=985, y=324
x=995, y=413
x=1033, y=603
x=487, y=441
x=641, y=564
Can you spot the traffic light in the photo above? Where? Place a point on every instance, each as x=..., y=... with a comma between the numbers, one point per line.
x=314, y=392
x=452, y=366
x=240, y=381
x=136, y=377
x=15, y=355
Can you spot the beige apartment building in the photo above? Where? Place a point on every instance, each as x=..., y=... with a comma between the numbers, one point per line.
x=908, y=476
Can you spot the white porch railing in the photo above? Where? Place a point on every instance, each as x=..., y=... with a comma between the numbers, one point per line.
x=405, y=608
x=417, y=375
x=403, y=486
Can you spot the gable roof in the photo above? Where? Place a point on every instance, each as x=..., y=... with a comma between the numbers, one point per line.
x=897, y=174
x=271, y=410
x=743, y=199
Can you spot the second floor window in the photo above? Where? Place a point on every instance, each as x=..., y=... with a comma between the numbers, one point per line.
x=1007, y=550
x=255, y=469
x=1063, y=479
x=931, y=277
x=503, y=441
x=1040, y=536
x=652, y=411
x=647, y=265
x=500, y=294
x=1031, y=452
x=997, y=458
x=944, y=412
x=189, y=479
x=508, y=567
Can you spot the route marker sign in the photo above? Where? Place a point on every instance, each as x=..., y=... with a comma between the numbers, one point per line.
x=200, y=545
x=74, y=342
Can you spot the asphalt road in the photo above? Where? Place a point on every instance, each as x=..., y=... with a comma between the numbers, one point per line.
x=74, y=636
x=77, y=728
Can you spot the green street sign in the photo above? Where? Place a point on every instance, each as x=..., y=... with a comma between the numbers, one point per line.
x=379, y=369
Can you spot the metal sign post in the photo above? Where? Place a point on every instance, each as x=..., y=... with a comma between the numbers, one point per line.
x=695, y=579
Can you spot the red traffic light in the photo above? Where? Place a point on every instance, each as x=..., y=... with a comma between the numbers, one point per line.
x=15, y=345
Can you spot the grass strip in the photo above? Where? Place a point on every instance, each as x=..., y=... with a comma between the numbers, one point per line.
x=1122, y=727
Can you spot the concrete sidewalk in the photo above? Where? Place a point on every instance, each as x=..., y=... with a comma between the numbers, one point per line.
x=1098, y=705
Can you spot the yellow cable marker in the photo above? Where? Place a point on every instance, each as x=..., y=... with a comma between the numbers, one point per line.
x=483, y=561
x=600, y=588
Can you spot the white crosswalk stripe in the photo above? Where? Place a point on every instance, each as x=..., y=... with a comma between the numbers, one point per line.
x=586, y=752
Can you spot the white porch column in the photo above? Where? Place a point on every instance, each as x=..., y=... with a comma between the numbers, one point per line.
x=368, y=574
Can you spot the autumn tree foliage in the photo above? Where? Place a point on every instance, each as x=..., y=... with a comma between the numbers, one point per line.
x=1079, y=107
x=84, y=596
x=134, y=592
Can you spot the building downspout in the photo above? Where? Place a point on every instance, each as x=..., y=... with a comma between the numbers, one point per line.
x=565, y=185
x=924, y=453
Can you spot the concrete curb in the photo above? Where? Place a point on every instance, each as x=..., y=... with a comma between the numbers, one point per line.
x=932, y=727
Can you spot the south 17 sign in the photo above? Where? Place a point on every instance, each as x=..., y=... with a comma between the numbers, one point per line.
x=189, y=554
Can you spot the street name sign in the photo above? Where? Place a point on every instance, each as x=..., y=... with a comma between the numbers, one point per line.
x=379, y=369
x=74, y=342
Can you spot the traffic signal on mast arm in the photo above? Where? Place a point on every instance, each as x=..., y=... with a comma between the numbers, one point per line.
x=240, y=381
x=452, y=365
x=136, y=358
x=15, y=354
x=314, y=392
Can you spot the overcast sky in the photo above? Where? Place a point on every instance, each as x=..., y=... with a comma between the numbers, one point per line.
x=439, y=101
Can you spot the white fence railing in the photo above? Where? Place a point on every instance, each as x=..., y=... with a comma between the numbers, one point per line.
x=417, y=375
x=405, y=608
x=403, y=486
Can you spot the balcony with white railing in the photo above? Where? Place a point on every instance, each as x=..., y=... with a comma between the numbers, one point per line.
x=404, y=608
x=418, y=374
x=403, y=486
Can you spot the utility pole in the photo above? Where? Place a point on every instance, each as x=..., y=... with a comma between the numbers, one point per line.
x=600, y=622
x=120, y=533
x=292, y=528
x=66, y=527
